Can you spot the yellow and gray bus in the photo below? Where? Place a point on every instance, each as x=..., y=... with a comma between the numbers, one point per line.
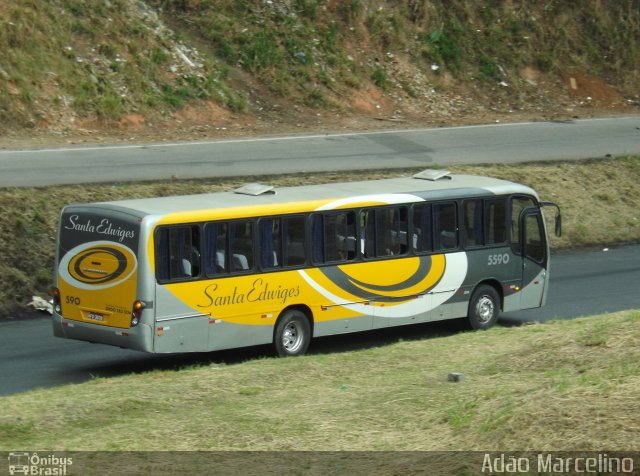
x=262, y=266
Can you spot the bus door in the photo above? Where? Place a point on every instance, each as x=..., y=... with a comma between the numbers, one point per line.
x=534, y=258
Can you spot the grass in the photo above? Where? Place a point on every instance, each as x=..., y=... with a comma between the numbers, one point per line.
x=529, y=388
x=100, y=60
x=103, y=61
x=606, y=188
x=290, y=44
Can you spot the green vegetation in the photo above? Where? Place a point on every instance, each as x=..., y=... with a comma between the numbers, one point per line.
x=535, y=387
x=290, y=44
x=28, y=216
x=104, y=60
x=97, y=59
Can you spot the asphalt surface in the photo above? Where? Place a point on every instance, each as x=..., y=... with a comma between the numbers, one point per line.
x=582, y=283
x=496, y=143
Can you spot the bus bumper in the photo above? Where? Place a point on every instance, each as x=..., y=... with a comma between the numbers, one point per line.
x=136, y=338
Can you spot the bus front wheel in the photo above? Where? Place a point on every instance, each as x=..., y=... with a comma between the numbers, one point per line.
x=484, y=307
x=293, y=334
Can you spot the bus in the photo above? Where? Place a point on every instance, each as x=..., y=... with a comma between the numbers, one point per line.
x=259, y=266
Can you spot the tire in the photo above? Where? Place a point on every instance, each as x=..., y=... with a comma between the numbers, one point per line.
x=484, y=307
x=292, y=334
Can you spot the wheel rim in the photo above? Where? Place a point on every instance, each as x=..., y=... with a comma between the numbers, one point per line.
x=292, y=337
x=485, y=309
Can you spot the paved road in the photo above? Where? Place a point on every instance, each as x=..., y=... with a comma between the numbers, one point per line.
x=582, y=283
x=504, y=143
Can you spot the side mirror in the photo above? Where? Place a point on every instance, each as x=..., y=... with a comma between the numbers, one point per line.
x=558, y=227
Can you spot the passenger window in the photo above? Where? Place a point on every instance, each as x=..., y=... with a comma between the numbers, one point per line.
x=270, y=242
x=334, y=237
x=421, y=232
x=241, y=246
x=216, y=243
x=368, y=233
x=295, y=253
x=178, y=253
x=282, y=242
x=385, y=231
x=229, y=247
x=473, y=223
x=445, y=226
x=495, y=213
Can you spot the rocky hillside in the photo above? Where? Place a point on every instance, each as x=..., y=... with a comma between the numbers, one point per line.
x=207, y=67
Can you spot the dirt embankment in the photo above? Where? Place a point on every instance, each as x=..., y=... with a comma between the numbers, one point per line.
x=192, y=70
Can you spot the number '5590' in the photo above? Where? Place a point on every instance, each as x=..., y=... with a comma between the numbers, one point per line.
x=495, y=260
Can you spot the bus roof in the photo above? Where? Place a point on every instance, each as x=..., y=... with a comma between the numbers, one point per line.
x=450, y=186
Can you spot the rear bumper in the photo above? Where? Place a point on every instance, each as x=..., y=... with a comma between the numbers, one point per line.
x=137, y=338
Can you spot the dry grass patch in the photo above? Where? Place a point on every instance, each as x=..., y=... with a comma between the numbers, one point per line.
x=536, y=388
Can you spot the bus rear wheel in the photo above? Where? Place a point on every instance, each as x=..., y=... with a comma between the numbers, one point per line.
x=484, y=308
x=293, y=334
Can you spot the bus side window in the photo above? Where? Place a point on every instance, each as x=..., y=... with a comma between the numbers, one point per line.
x=402, y=230
x=473, y=223
x=178, y=253
x=342, y=232
x=241, y=245
x=445, y=226
x=421, y=233
x=295, y=253
x=333, y=237
x=368, y=230
x=317, y=238
x=517, y=205
x=270, y=242
x=495, y=221
x=384, y=231
x=282, y=241
x=216, y=261
x=391, y=229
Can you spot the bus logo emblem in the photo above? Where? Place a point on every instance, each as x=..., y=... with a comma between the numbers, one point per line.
x=97, y=265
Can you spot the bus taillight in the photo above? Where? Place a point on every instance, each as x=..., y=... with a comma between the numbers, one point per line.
x=138, y=306
x=56, y=299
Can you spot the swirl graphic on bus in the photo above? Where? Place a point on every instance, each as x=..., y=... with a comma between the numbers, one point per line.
x=397, y=280
x=404, y=287
x=97, y=265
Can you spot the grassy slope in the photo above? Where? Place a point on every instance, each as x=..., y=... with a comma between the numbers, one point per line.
x=323, y=46
x=565, y=385
x=72, y=60
x=607, y=189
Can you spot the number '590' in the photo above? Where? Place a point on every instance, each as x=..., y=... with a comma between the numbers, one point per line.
x=72, y=300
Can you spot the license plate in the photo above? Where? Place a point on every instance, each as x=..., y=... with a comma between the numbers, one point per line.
x=95, y=316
